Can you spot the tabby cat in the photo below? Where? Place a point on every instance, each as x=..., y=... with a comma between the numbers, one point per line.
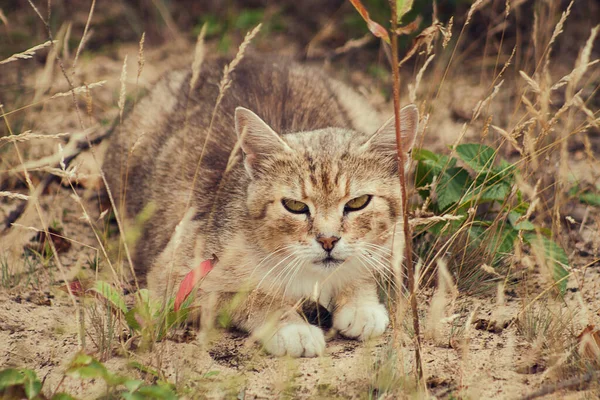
x=291, y=182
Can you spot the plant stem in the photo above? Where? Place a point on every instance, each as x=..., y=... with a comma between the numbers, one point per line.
x=410, y=272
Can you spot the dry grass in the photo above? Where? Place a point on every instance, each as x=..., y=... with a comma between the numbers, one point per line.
x=538, y=112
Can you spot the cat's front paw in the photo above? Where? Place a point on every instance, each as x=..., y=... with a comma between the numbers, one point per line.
x=361, y=321
x=296, y=340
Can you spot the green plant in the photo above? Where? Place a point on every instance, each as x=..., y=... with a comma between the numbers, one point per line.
x=491, y=213
x=147, y=319
x=24, y=383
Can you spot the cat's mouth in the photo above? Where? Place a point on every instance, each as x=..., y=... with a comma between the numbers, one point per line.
x=329, y=262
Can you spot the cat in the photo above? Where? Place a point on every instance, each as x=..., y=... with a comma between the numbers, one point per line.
x=291, y=182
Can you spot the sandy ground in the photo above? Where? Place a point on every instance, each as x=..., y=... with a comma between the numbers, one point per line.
x=39, y=328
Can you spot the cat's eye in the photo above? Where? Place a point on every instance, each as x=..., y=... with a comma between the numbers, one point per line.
x=294, y=206
x=358, y=203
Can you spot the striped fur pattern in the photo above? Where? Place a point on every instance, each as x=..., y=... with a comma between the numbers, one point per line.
x=282, y=131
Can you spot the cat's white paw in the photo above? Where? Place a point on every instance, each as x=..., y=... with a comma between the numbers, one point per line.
x=296, y=340
x=361, y=321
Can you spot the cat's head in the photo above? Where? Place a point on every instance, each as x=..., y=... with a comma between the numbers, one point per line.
x=326, y=196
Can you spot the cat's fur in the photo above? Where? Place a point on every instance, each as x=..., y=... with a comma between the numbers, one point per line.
x=320, y=143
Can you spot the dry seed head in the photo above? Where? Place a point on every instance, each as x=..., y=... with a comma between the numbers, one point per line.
x=582, y=63
x=484, y=103
x=472, y=10
x=12, y=195
x=447, y=32
x=123, y=79
x=141, y=59
x=78, y=90
x=531, y=82
x=27, y=54
x=199, y=54
x=413, y=88
x=27, y=135
x=510, y=138
x=558, y=29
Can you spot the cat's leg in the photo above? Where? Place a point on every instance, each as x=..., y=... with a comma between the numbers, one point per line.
x=358, y=314
x=278, y=326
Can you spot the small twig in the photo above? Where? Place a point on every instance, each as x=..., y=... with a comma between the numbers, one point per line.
x=410, y=271
x=577, y=382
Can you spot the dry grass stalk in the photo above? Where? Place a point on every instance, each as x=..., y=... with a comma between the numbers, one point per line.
x=65, y=49
x=445, y=294
x=3, y=18
x=27, y=54
x=224, y=84
x=84, y=37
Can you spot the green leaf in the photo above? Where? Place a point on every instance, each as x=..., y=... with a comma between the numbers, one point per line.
x=111, y=294
x=32, y=384
x=479, y=157
x=211, y=373
x=62, y=396
x=402, y=7
x=593, y=199
x=450, y=186
x=132, y=321
x=157, y=392
x=132, y=384
x=11, y=377
x=86, y=367
x=485, y=194
x=524, y=225
x=554, y=254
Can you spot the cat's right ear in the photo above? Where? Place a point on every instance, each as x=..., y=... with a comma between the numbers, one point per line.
x=257, y=139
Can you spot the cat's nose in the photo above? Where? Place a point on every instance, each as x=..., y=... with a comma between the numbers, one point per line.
x=327, y=242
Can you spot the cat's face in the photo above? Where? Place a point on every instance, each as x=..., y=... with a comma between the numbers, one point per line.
x=323, y=197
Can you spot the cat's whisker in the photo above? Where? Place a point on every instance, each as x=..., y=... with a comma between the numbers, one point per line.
x=273, y=268
x=281, y=276
x=385, y=276
x=360, y=259
x=377, y=247
x=270, y=255
x=297, y=269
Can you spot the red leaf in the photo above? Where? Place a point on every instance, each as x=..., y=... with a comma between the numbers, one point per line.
x=373, y=26
x=78, y=288
x=191, y=279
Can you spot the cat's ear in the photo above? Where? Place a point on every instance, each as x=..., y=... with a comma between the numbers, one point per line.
x=257, y=139
x=384, y=140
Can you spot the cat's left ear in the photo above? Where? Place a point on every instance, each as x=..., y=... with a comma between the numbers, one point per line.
x=384, y=140
x=257, y=139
